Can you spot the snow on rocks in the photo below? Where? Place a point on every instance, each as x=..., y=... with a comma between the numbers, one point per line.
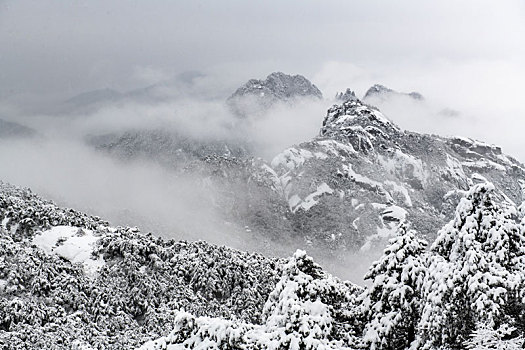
x=484, y=164
x=401, y=190
x=366, y=182
x=297, y=203
x=405, y=165
x=336, y=148
x=292, y=158
x=392, y=216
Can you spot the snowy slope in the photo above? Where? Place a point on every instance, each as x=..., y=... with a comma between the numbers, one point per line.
x=370, y=168
x=148, y=293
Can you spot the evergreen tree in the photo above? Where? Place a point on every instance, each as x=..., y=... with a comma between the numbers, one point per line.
x=305, y=311
x=488, y=338
x=470, y=276
x=391, y=306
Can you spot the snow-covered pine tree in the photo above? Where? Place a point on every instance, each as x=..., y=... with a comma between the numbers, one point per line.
x=391, y=306
x=516, y=303
x=308, y=306
x=307, y=310
x=470, y=275
x=488, y=338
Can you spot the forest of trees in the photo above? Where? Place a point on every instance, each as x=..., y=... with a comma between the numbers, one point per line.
x=466, y=290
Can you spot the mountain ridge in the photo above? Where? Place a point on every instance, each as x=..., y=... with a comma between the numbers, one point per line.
x=349, y=187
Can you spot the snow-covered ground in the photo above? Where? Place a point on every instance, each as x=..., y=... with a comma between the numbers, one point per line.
x=71, y=243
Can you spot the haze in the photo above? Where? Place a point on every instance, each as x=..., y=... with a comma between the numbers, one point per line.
x=466, y=57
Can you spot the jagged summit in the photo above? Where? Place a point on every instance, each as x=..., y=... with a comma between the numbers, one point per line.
x=352, y=116
x=382, y=92
x=377, y=89
x=348, y=95
x=258, y=95
x=281, y=86
x=371, y=175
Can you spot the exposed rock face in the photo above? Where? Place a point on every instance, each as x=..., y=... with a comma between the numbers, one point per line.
x=256, y=96
x=363, y=174
x=348, y=95
x=382, y=92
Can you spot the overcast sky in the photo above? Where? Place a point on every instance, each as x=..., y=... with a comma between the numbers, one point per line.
x=468, y=55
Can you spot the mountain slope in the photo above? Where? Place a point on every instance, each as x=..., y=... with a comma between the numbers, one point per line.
x=68, y=279
x=363, y=175
x=346, y=189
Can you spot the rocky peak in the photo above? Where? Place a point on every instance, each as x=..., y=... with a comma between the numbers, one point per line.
x=354, y=115
x=348, y=95
x=358, y=124
x=382, y=92
x=416, y=95
x=287, y=86
x=258, y=95
x=377, y=89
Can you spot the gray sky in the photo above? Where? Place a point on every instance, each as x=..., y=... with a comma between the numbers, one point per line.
x=466, y=55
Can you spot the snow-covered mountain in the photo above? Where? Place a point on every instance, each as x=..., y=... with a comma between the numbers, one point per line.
x=71, y=280
x=363, y=174
x=170, y=148
x=346, y=189
x=257, y=96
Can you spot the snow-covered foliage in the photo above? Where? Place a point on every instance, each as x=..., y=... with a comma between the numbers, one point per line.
x=502, y=338
x=392, y=305
x=69, y=280
x=23, y=212
x=308, y=309
x=48, y=299
x=471, y=276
